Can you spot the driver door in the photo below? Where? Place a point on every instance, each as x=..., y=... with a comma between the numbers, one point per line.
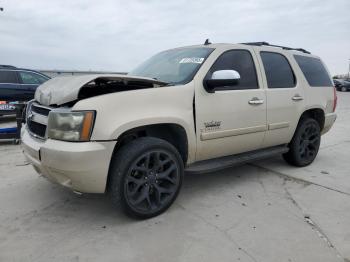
x=231, y=119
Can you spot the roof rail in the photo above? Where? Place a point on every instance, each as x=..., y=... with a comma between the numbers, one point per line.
x=283, y=47
x=7, y=66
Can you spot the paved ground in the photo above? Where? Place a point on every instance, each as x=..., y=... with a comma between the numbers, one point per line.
x=266, y=211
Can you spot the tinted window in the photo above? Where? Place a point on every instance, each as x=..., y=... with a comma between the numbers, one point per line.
x=313, y=70
x=31, y=78
x=278, y=72
x=8, y=77
x=240, y=61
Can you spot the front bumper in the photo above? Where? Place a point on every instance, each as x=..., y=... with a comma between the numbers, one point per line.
x=328, y=122
x=79, y=166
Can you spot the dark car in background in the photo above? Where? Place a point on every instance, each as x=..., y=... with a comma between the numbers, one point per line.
x=19, y=84
x=342, y=84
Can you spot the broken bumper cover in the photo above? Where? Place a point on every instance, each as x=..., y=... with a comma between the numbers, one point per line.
x=80, y=166
x=328, y=122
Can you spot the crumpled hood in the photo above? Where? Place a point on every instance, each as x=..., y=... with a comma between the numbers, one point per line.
x=61, y=90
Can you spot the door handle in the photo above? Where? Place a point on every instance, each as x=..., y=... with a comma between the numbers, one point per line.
x=255, y=101
x=297, y=98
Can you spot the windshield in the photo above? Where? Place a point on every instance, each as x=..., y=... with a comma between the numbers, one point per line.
x=176, y=66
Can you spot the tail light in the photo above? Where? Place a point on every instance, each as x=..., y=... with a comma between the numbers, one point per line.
x=335, y=101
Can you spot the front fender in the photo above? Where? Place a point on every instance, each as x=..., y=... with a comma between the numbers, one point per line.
x=117, y=113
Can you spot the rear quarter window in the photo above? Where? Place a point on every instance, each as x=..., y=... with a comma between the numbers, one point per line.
x=313, y=70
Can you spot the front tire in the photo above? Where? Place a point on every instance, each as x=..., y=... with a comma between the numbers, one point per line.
x=145, y=177
x=305, y=143
x=344, y=89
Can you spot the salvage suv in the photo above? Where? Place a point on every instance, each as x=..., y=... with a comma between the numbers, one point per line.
x=192, y=109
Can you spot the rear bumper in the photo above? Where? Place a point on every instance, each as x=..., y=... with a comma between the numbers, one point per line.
x=81, y=167
x=328, y=122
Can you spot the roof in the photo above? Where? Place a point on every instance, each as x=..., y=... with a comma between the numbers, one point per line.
x=279, y=46
x=11, y=68
x=7, y=67
x=256, y=44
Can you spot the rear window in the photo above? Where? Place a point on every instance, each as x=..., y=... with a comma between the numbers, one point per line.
x=313, y=70
x=7, y=77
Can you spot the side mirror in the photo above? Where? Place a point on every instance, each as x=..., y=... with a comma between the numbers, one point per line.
x=221, y=78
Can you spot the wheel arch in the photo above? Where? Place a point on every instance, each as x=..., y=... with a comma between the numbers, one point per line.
x=315, y=113
x=174, y=134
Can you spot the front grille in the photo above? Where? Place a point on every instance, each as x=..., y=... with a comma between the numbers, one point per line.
x=40, y=110
x=37, y=128
x=37, y=119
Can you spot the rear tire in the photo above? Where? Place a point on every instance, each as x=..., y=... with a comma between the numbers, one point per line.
x=145, y=177
x=305, y=143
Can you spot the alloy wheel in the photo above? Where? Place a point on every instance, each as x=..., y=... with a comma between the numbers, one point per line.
x=152, y=181
x=309, y=142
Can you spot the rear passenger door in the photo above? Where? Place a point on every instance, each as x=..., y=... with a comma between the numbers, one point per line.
x=284, y=94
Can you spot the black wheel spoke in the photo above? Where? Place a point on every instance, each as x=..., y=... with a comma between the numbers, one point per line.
x=314, y=140
x=165, y=175
x=141, y=169
x=156, y=160
x=163, y=190
x=147, y=160
x=136, y=185
x=142, y=196
x=164, y=162
x=157, y=194
x=135, y=180
x=151, y=203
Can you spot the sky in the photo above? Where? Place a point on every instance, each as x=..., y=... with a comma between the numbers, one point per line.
x=115, y=35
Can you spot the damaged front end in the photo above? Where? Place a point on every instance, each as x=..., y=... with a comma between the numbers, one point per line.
x=58, y=95
x=67, y=90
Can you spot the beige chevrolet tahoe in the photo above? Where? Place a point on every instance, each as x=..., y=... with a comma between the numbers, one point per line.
x=186, y=110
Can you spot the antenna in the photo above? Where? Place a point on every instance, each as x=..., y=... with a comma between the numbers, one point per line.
x=207, y=42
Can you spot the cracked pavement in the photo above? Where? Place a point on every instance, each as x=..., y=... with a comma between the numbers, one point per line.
x=263, y=211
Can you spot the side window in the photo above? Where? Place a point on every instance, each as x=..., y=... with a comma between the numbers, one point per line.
x=313, y=70
x=7, y=77
x=31, y=78
x=278, y=72
x=240, y=61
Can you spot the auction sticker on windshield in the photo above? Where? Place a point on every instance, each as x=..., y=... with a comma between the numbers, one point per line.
x=192, y=60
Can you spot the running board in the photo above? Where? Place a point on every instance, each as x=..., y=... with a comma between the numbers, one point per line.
x=212, y=165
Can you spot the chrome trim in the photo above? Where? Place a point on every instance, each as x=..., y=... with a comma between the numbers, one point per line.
x=37, y=118
x=41, y=106
x=297, y=98
x=255, y=101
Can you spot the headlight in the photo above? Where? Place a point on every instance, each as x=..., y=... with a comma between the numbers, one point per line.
x=70, y=126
